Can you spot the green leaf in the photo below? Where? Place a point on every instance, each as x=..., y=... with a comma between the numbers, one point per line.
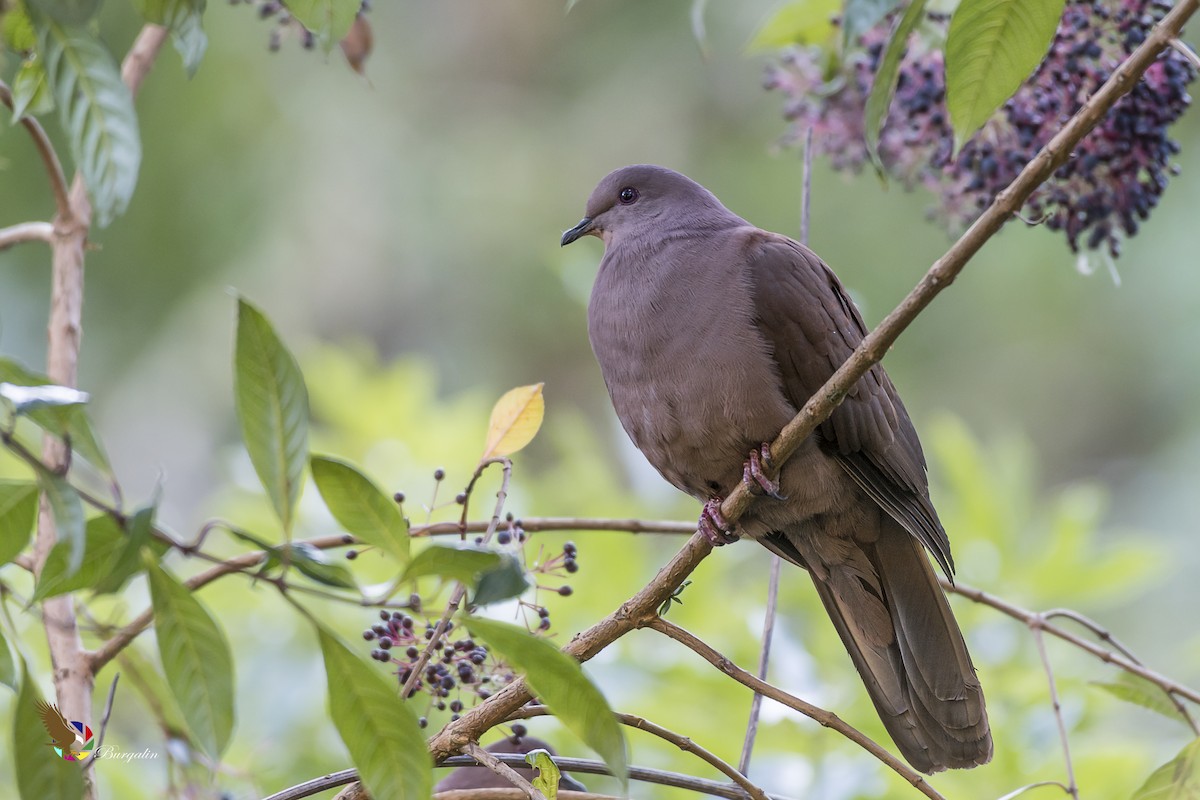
x=559, y=681
x=68, y=517
x=862, y=15
x=8, y=666
x=328, y=19
x=41, y=775
x=505, y=581
x=96, y=110
x=548, y=774
x=183, y=18
x=991, y=48
x=886, y=75
x=125, y=560
x=24, y=401
x=805, y=22
x=314, y=563
x=196, y=660
x=17, y=30
x=70, y=421
x=102, y=541
x=272, y=407
x=31, y=91
x=360, y=507
x=1178, y=779
x=66, y=12
x=462, y=564
x=1141, y=692
x=18, y=510
x=380, y=731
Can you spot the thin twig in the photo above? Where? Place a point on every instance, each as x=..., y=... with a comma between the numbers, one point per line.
x=1187, y=52
x=506, y=772
x=108, y=707
x=45, y=148
x=806, y=191
x=815, y=713
x=1040, y=640
x=764, y=658
x=514, y=794
x=684, y=743
x=25, y=232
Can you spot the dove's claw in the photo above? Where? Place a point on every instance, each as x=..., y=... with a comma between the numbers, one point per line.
x=753, y=473
x=713, y=525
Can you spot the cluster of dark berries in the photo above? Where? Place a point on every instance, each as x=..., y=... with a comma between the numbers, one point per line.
x=452, y=665
x=285, y=23
x=1115, y=176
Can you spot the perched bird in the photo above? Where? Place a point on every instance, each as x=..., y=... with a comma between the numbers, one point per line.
x=61, y=732
x=478, y=777
x=711, y=334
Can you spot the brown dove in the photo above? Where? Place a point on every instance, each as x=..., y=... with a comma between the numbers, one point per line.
x=711, y=334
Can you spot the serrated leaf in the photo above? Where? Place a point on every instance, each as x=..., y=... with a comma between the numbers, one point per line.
x=862, y=15
x=515, y=420
x=1141, y=692
x=329, y=20
x=805, y=22
x=30, y=91
x=991, y=48
x=1178, y=779
x=18, y=32
x=380, y=731
x=125, y=559
x=67, y=510
x=272, y=408
x=360, y=507
x=102, y=540
x=195, y=658
x=96, y=110
x=18, y=510
x=548, y=776
x=462, y=564
x=505, y=581
x=183, y=18
x=40, y=773
x=66, y=12
x=884, y=87
x=559, y=681
x=313, y=562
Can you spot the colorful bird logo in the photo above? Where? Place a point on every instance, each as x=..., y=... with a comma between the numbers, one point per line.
x=72, y=741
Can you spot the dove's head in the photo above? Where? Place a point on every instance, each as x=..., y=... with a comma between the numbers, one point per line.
x=644, y=200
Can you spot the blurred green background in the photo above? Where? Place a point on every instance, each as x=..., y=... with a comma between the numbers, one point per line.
x=402, y=232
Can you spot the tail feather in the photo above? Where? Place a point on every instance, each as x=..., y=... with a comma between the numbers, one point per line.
x=914, y=663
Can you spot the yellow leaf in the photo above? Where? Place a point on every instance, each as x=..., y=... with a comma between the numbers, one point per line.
x=516, y=418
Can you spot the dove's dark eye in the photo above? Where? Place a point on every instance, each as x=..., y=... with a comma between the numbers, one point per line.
x=628, y=195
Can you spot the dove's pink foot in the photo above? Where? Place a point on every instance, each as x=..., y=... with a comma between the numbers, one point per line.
x=713, y=525
x=754, y=472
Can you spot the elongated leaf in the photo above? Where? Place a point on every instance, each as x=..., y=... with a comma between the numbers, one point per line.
x=884, y=87
x=501, y=583
x=183, y=18
x=96, y=110
x=125, y=559
x=991, y=48
x=70, y=421
x=559, y=681
x=18, y=509
x=515, y=420
x=463, y=564
x=196, y=660
x=66, y=12
x=548, y=773
x=272, y=407
x=9, y=675
x=316, y=564
x=40, y=773
x=360, y=507
x=1139, y=691
x=328, y=19
x=380, y=731
x=67, y=509
x=862, y=15
x=102, y=538
x=31, y=91
x=1178, y=779
x=798, y=22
